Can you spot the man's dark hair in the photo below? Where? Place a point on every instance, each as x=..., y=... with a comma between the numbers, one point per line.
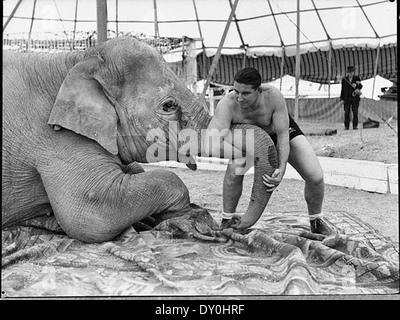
x=249, y=76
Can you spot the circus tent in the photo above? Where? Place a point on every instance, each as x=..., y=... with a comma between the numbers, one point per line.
x=259, y=33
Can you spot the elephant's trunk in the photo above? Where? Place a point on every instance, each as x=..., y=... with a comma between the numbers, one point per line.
x=265, y=162
x=202, y=116
x=199, y=119
x=202, y=119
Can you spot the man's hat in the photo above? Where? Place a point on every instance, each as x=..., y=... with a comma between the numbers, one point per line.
x=350, y=69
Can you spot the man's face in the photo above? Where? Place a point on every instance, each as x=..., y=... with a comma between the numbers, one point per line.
x=246, y=96
x=350, y=73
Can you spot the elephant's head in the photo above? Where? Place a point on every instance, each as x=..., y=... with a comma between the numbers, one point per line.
x=123, y=95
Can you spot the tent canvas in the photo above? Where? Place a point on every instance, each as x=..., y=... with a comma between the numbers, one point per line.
x=263, y=33
x=259, y=27
x=362, y=26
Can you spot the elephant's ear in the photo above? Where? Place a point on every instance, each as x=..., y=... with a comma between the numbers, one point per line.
x=82, y=106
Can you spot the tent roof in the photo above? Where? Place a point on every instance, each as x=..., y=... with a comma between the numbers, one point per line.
x=263, y=27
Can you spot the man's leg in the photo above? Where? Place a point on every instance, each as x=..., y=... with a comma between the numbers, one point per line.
x=303, y=159
x=346, y=115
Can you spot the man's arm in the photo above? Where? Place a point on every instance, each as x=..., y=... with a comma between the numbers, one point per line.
x=342, y=91
x=358, y=82
x=280, y=120
x=218, y=136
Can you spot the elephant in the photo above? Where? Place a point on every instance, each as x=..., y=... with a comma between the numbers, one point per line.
x=76, y=125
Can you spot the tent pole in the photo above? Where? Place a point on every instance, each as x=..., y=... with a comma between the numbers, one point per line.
x=30, y=29
x=202, y=39
x=244, y=57
x=101, y=21
x=329, y=68
x=376, y=68
x=116, y=17
x=297, y=72
x=282, y=64
x=11, y=15
x=75, y=20
x=156, y=32
x=217, y=55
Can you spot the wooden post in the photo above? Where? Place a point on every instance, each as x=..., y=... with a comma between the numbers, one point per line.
x=101, y=21
x=244, y=59
x=30, y=29
x=212, y=103
x=116, y=17
x=202, y=39
x=217, y=55
x=190, y=63
x=156, y=31
x=329, y=68
x=75, y=20
x=297, y=72
x=282, y=65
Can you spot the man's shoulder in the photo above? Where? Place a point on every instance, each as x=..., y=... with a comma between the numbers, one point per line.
x=270, y=90
x=272, y=94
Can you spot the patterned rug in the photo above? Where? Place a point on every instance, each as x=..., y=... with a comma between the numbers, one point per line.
x=273, y=259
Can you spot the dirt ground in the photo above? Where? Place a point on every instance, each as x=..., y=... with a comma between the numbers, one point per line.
x=378, y=210
x=374, y=144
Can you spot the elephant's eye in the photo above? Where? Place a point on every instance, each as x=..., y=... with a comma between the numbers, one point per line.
x=170, y=107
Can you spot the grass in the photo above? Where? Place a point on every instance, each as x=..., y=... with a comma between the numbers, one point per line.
x=374, y=144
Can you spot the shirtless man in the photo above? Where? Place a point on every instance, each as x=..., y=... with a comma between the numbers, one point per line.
x=265, y=107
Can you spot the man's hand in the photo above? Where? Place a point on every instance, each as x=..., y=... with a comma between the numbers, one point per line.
x=271, y=182
x=233, y=222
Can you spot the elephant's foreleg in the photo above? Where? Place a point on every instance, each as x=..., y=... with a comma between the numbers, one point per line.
x=94, y=200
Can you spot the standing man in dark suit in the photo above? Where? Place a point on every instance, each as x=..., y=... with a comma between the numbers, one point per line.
x=350, y=97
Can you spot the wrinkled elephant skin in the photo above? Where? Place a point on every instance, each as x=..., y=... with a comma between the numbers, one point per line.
x=75, y=126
